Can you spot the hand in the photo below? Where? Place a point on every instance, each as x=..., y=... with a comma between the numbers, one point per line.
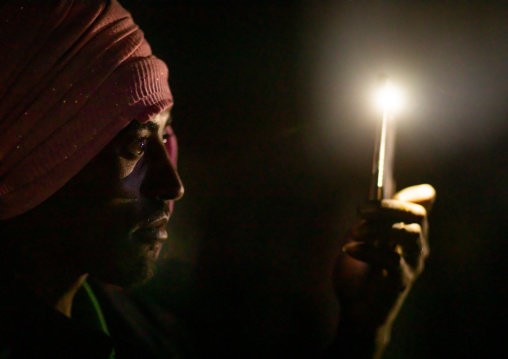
x=389, y=247
x=392, y=236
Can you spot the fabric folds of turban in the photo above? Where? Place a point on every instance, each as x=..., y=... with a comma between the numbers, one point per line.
x=72, y=75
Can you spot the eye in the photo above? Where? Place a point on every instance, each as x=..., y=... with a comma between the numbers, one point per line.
x=142, y=145
x=137, y=147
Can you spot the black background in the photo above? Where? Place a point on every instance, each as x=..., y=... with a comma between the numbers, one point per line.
x=276, y=130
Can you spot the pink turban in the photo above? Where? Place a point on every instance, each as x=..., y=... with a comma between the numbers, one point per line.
x=72, y=75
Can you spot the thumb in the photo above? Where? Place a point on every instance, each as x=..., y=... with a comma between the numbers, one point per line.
x=423, y=194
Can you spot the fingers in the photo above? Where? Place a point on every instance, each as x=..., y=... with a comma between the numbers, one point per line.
x=410, y=242
x=423, y=195
x=392, y=210
x=393, y=233
x=389, y=264
x=381, y=241
x=371, y=253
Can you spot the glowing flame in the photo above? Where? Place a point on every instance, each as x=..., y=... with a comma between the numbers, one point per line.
x=389, y=98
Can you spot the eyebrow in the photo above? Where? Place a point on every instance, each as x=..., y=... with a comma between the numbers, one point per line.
x=150, y=125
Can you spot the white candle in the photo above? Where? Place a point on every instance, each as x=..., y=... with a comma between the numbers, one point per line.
x=382, y=183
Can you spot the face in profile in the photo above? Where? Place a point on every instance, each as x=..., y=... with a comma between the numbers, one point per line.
x=111, y=218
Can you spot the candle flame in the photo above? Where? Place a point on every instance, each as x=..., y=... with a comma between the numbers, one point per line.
x=389, y=98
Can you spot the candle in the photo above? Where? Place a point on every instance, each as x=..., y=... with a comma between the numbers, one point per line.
x=382, y=183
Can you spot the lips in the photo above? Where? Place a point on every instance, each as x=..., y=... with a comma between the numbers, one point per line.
x=152, y=230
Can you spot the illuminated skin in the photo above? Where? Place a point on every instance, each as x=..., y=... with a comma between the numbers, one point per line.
x=109, y=221
x=389, y=247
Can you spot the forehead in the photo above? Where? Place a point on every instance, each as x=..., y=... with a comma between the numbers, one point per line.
x=161, y=119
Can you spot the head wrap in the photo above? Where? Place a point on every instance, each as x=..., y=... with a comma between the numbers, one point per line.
x=72, y=75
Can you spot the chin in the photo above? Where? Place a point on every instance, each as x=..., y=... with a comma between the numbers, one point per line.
x=127, y=277
x=138, y=276
x=128, y=267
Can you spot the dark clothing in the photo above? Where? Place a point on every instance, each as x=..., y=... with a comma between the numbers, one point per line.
x=139, y=328
x=31, y=329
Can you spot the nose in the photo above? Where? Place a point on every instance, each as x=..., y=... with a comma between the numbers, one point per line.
x=161, y=179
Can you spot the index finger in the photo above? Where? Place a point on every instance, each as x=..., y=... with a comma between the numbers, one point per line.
x=423, y=194
x=392, y=210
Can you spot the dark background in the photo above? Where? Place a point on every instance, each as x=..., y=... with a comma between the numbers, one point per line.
x=276, y=127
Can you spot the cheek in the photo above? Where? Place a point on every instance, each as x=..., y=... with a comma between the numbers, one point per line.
x=125, y=168
x=129, y=183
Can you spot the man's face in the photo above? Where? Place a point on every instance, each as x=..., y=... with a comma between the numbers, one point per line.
x=113, y=214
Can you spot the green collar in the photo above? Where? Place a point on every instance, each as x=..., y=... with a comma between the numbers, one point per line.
x=97, y=308
x=96, y=321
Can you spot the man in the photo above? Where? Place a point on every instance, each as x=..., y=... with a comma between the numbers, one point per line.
x=87, y=183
